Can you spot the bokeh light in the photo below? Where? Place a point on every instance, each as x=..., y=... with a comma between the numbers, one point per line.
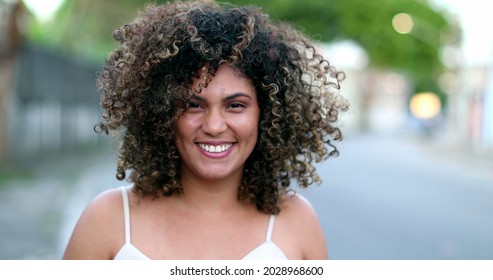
x=403, y=23
x=425, y=105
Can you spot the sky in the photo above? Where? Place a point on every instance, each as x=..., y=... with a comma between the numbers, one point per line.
x=43, y=9
x=476, y=18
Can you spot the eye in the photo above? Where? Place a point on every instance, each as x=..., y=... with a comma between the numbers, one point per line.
x=237, y=105
x=192, y=104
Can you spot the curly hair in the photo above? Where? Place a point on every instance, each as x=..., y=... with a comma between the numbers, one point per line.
x=147, y=79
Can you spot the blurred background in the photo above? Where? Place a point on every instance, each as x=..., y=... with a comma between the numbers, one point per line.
x=414, y=179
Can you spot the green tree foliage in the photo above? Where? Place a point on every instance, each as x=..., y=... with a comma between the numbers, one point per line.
x=369, y=23
x=85, y=27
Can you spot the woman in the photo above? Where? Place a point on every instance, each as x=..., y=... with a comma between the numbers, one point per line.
x=218, y=109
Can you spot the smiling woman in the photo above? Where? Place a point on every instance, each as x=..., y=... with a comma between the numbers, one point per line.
x=219, y=110
x=216, y=135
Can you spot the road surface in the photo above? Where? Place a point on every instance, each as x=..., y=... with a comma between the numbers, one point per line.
x=391, y=198
x=384, y=197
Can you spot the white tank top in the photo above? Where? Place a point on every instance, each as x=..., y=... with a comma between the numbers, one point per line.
x=268, y=250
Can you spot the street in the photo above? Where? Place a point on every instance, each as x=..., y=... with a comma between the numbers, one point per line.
x=384, y=197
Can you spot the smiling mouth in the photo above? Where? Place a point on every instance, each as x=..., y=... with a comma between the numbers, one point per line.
x=214, y=148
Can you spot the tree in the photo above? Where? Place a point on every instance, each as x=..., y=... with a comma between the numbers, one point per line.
x=10, y=40
x=85, y=26
x=369, y=23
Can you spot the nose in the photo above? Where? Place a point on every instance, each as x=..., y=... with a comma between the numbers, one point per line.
x=214, y=123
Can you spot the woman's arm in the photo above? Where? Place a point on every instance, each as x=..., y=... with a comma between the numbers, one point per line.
x=100, y=230
x=304, y=227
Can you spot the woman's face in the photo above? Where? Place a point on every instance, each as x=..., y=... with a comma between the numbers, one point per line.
x=218, y=131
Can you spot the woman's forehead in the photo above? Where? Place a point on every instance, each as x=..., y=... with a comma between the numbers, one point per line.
x=223, y=75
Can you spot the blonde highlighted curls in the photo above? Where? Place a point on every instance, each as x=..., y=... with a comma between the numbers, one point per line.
x=145, y=84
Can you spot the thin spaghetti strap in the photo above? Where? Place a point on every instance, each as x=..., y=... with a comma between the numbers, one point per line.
x=126, y=214
x=270, y=228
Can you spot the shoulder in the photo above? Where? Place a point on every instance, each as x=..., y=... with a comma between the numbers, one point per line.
x=105, y=207
x=100, y=228
x=298, y=209
x=297, y=203
x=298, y=215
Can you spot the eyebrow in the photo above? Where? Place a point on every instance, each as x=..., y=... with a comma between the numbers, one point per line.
x=227, y=98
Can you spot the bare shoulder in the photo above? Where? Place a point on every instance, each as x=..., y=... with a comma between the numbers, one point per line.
x=105, y=207
x=99, y=230
x=298, y=214
x=297, y=206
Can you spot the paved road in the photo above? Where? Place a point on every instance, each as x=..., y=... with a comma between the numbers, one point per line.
x=389, y=198
x=38, y=212
x=383, y=198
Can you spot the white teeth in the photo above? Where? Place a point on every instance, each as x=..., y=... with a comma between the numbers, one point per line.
x=215, y=149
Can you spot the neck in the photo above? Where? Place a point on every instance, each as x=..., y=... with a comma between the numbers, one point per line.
x=210, y=196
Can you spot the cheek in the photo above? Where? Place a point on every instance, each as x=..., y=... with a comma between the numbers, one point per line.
x=248, y=128
x=182, y=137
x=182, y=133
x=185, y=126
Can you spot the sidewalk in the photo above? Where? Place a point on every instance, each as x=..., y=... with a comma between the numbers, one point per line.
x=37, y=213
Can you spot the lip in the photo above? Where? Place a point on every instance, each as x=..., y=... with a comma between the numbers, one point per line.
x=216, y=155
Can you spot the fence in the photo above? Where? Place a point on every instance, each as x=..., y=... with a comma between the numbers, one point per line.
x=54, y=104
